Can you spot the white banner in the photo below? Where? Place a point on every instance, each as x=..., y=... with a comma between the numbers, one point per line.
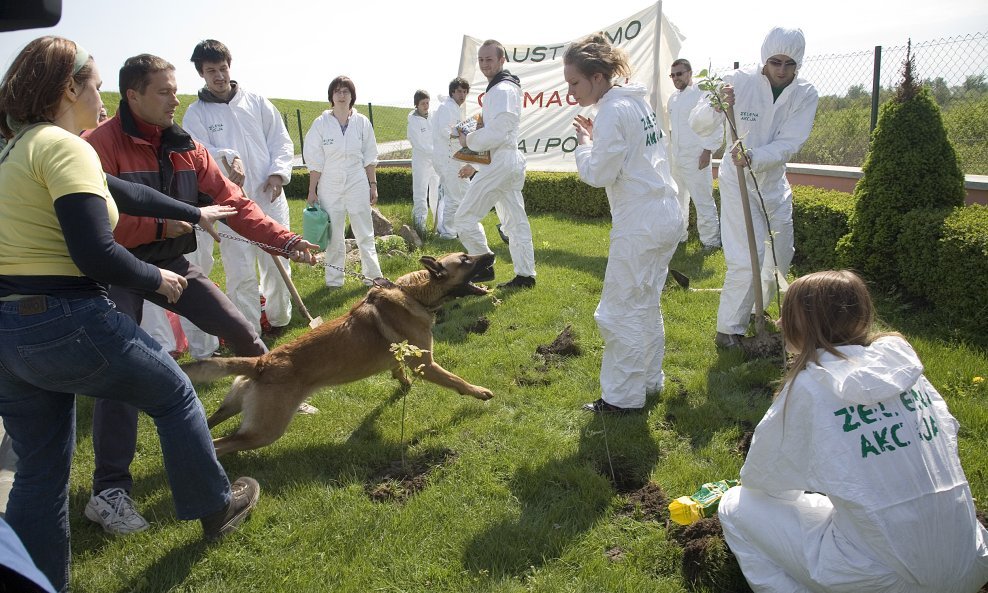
x=547, y=137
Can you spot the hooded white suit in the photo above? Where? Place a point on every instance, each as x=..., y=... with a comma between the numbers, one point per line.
x=249, y=127
x=443, y=148
x=425, y=180
x=895, y=513
x=774, y=131
x=627, y=158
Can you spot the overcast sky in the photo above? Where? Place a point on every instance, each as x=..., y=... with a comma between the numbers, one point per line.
x=293, y=48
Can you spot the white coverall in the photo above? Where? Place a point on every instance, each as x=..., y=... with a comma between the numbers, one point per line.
x=342, y=159
x=499, y=182
x=774, y=131
x=685, y=147
x=897, y=515
x=628, y=159
x=452, y=187
x=425, y=180
x=249, y=127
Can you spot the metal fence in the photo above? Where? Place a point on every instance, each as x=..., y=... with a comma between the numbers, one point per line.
x=852, y=87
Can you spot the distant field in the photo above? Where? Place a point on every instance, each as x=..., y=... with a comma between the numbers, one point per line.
x=389, y=122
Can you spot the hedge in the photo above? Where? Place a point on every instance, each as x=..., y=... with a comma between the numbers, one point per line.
x=943, y=253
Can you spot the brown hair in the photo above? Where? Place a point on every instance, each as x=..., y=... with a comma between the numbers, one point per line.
x=33, y=86
x=458, y=83
x=594, y=54
x=342, y=81
x=210, y=50
x=824, y=310
x=419, y=95
x=136, y=72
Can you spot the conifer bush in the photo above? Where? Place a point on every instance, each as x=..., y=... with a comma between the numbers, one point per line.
x=911, y=165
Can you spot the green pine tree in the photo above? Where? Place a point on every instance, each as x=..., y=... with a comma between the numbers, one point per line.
x=910, y=165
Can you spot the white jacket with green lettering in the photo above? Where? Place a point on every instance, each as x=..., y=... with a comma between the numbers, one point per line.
x=872, y=433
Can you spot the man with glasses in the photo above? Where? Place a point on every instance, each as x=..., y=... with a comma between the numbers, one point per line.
x=690, y=157
x=774, y=112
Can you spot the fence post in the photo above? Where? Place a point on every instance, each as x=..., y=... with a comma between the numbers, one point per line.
x=876, y=86
x=370, y=113
x=301, y=138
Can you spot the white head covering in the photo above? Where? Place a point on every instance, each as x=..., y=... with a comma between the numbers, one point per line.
x=786, y=42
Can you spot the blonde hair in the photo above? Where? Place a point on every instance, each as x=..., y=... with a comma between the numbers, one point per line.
x=594, y=54
x=824, y=310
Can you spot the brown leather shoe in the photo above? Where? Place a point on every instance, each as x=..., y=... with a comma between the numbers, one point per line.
x=244, y=493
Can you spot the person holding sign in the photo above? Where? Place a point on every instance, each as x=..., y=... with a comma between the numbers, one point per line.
x=500, y=182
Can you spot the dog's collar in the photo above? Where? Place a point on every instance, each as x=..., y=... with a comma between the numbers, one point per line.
x=383, y=282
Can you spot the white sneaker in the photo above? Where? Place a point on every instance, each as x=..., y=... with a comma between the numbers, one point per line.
x=115, y=512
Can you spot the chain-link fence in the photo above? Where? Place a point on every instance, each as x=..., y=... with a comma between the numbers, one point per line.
x=955, y=69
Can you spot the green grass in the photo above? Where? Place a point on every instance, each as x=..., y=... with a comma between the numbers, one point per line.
x=389, y=122
x=520, y=497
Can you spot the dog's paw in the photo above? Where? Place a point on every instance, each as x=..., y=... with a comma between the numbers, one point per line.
x=481, y=393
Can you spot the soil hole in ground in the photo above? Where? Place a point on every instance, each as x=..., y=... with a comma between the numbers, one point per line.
x=400, y=481
x=480, y=326
x=622, y=473
x=648, y=503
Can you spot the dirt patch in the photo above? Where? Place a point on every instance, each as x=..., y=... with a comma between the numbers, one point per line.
x=648, y=503
x=744, y=443
x=400, y=481
x=526, y=380
x=615, y=555
x=479, y=327
x=564, y=345
x=707, y=561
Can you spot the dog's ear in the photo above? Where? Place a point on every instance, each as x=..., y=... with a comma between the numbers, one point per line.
x=432, y=264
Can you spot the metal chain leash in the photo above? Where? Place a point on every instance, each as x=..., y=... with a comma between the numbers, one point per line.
x=288, y=253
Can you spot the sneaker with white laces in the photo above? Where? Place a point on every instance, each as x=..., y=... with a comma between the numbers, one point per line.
x=114, y=510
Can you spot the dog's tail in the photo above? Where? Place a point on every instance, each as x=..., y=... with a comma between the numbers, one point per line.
x=211, y=369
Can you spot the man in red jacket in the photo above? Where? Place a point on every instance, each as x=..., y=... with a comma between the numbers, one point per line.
x=143, y=144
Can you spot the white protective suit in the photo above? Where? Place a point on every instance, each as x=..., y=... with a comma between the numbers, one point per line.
x=774, y=131
x=499, y=182
x=249, y=127
x=873, y=436
x=685, y=147
x=343, y=188
x=451, y=187
x=425, y=180
x=628, y=159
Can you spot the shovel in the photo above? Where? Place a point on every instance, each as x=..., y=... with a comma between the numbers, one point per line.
x=313, y=322
x=762, y=342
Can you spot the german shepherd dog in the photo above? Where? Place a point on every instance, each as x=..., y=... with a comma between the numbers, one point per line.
x=356, y=345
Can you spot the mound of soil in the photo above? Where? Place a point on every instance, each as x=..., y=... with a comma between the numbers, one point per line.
x=707, y=561
x=564, y=345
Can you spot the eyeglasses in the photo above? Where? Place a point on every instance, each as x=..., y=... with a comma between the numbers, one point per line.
x=678, y=74
x=779, y=63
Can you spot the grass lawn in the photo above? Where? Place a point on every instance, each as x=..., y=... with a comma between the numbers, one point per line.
x=515, y=494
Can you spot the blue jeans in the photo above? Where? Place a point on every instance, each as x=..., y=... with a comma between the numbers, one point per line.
x=52, y=348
